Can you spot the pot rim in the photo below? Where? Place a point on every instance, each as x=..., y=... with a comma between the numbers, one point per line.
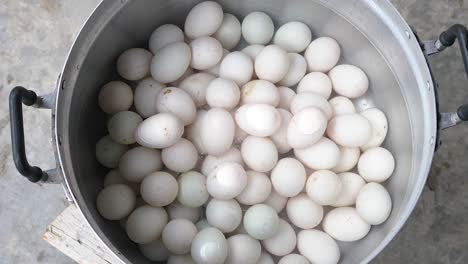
x=414, y=53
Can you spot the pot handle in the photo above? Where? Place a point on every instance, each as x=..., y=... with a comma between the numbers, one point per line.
x=18, y=96
x=447, y=39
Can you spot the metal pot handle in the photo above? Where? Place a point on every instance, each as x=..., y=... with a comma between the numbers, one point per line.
x=18, y=96
x=447, y=39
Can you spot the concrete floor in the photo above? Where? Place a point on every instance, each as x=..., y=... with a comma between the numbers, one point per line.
x=35, y=36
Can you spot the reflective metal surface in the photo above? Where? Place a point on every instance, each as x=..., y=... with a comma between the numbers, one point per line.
x=432, y=46
x=373, y=36
x=448, y=120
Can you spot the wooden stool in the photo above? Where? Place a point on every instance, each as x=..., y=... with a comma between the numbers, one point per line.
x=70, y=234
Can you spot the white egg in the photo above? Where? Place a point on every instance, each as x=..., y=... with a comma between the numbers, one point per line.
x=261, y=221
x=215, y=69
x=206, y=53
x=223, y=93
x=192, y=189
x=376, y=164
x=115, y=97
x=211, y=163
x=280, y=136
x=164, y=35
x=323, y=155
x=145, y=96
x=349, y=157
x=351, y=184
x=227, y=181
x=189, y=72
x=265, y=258
x=318, y=247
x=204, y=19
x=195, y=85
x=322, y=54
x=260, y=120
x=257, y=190
x=243, y=249
x=171, y=62
x=138, y=162
x=283, y=242
x=122, y=126
x=379, y=125
x=293, y=259
x=237, y=66
x=260, y=92
x=324, y=187
x=297, y=70
x=316, y=82
x=159, y=131
x=159, y=189
x=350, y=130
x=306, y=128
x=146, y=224
x=272, y=64
x=180, y=259
x=226, y=215
x=374, y=203
x=293, y=36
x=349, y=80
x=286, y=96
x=307, y=99
x=180, y=157
x=154, y=251
x=194, y=132
x=303, y=212
x=209, y=247
x=288, y=177
x=178, y=234
x=345, y=224
x=178, y=102
x=176, y=211
x=260, y=154
x=202, y=224
x=134, y=64
x=239, y=134
x=115, y=201
x=108, y=152
x=257, y=28
x=342, y=105
x=276, y=201
x=113, y=177
x=253, y=50
x=217, y=131
x=229, y=33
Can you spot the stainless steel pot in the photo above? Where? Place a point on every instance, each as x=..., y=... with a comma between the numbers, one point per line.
x=373, y=36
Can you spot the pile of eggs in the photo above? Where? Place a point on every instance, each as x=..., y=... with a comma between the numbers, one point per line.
x=214, y=158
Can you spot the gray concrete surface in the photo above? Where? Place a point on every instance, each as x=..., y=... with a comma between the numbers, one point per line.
x=35, y=36
x=34, y=40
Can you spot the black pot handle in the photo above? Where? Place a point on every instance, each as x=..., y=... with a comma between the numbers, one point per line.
x=18, y=96
x=447, y=39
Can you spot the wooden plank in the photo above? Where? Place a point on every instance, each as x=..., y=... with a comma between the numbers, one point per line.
x=70, y=234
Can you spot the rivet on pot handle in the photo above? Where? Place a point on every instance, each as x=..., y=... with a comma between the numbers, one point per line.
x=18, y=96
x=447, y=39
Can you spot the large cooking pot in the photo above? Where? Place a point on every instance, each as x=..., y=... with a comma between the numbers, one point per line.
x=372, y=34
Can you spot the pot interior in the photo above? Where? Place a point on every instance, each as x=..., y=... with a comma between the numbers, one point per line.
x=372, y=36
